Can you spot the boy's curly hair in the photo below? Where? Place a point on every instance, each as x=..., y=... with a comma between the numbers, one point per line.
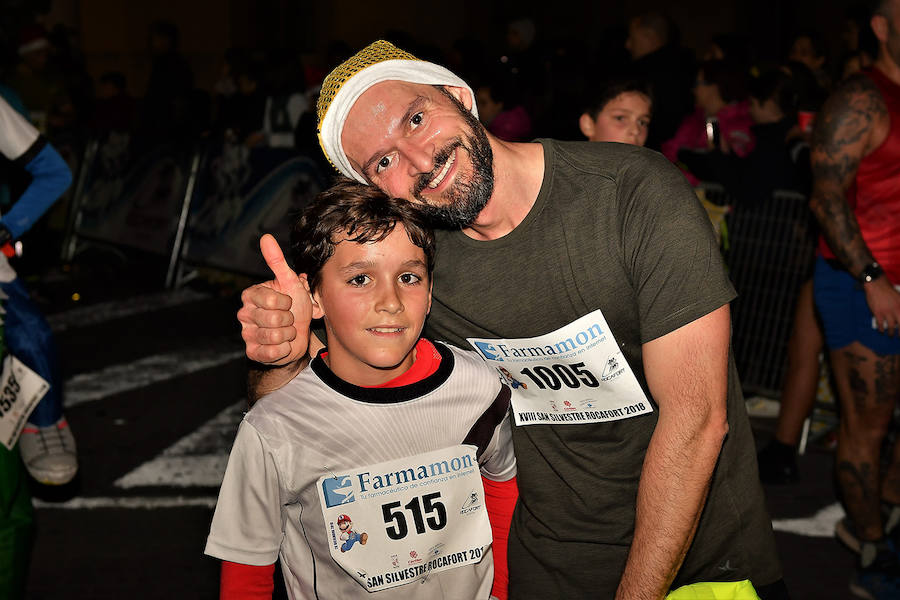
x=354, y=212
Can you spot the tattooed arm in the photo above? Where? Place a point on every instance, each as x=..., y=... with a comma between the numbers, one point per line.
x=853, y=122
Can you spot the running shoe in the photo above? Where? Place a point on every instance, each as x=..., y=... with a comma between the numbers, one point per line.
x=846, y=532
x=880, y=580
x=49, y=452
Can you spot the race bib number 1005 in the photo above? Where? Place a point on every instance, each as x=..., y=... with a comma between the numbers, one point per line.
x=396, y=522
x=576, y=374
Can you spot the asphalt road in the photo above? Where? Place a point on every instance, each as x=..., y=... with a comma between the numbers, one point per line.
x=155, y=390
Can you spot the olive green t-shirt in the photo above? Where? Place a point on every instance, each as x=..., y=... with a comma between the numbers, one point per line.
x=615, y=228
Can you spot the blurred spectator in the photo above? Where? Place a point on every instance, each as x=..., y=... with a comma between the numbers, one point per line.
x=520, y=52
x=286, y=100
x=166, y=113
x=658, y=60
x=619, y=112
x=241, y=117
x=808, y=47
x=500, y=112
x=860, y=46
x=225, y=85
x=114, y=107
x=778, y=459
x=46, y=444
x=568, y=75
x=306, y=140
x=523, y=67
x=854, y=63
x=857, y=36
x=72, y=108
x=721, y=120
x=779, y=161
x=467, y=57
x=780, y=157
x=37, y=85
x=810, y=95
x=732, y=48
x=225, y=89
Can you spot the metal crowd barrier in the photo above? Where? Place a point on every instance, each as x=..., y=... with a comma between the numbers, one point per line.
x=240, y=194
x=202, y=206
x=130, y=197
x=771, y=254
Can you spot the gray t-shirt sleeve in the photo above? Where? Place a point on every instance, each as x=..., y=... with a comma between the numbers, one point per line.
x=670, y=248
x=246, y=527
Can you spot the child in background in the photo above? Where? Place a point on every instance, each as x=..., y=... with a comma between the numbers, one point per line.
x=620, y=112
x=362, y=474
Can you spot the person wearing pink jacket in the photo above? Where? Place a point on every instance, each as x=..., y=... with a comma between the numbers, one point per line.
x=722, y=118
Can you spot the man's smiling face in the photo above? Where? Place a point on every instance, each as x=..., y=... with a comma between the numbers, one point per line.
x=421, y=143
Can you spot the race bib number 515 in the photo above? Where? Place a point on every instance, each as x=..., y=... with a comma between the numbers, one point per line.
x=396, y=522
x=574, y=375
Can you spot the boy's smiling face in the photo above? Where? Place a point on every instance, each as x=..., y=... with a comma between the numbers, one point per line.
x=374, y=298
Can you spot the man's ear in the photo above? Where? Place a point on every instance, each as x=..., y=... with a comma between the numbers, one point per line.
x=587, y=125
x=880, y=27
x=461, y=94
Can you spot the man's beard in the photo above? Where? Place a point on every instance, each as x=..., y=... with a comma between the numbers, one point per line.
x=461, y=204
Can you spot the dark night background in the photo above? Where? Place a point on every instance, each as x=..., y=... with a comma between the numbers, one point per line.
x=113, y=35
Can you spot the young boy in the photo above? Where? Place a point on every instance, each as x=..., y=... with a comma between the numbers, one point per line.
x=362, y=474
x=620, y=112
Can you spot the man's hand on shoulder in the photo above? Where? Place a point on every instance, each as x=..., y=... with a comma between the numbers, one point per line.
x=276, y=314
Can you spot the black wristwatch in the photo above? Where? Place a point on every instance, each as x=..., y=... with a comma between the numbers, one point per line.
x=870, y=273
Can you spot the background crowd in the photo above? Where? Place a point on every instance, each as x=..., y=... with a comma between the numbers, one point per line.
x=527, y=86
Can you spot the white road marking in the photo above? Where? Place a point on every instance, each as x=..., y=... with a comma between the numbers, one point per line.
x=92, y=314
x=96, y=385
x=820, y=524
x=139, y=502
x=198, y=459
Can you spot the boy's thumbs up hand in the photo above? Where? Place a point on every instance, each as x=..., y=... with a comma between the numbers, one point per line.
x=276, y=314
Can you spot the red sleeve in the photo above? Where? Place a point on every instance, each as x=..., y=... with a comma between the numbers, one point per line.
x=246, y=582
x=500, y=500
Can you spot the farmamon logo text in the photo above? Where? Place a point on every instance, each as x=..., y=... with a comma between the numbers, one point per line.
x=376, y=481
x=499, y=352
x=343, y=488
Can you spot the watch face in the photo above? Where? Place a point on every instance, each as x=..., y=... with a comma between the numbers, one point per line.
x=871, y=272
